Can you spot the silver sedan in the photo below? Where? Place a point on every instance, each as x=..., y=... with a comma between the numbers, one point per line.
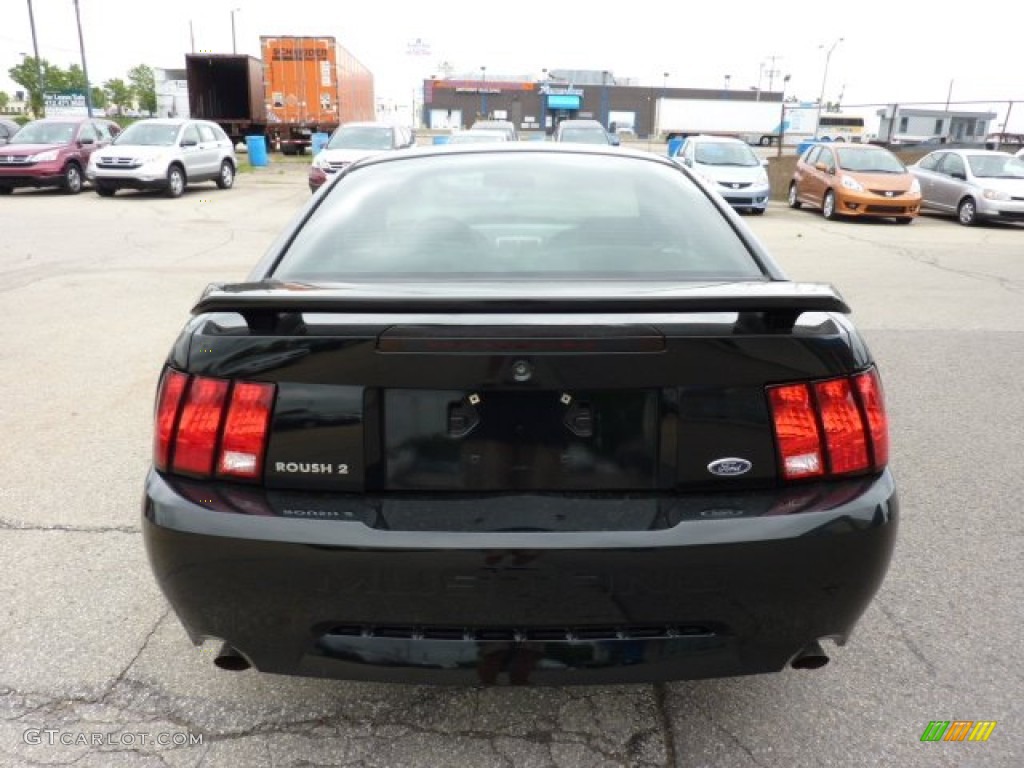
x=972, y=184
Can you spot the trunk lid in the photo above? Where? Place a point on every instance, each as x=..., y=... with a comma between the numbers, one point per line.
x=520, y=387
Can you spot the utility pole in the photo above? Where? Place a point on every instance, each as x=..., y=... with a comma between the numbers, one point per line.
x=85, y=70
x=824, y=79
x=772, y=71
x=39, y=64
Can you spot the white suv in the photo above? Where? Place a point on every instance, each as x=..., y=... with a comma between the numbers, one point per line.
x=166, y=154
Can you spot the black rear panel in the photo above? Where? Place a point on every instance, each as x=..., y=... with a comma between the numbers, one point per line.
x=508, y=440
x=511, y=403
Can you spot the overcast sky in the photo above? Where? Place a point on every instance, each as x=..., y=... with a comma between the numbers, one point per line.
x=902, y=52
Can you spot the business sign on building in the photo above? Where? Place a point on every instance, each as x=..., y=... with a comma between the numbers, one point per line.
x=65, y=104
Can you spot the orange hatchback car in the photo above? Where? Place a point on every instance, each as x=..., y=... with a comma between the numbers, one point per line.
x=855, y=180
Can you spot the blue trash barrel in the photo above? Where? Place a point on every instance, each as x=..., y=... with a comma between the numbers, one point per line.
x=257, y=147
x=674, y=145
x=319, y=142
x=803, y=145
x=441, y=139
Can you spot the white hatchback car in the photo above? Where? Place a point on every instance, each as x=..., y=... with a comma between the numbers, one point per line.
x=354, y=141
x=731, y=167
x=166, y=154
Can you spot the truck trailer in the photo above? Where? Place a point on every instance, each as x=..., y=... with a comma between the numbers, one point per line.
x=756, y=122
x=302, y=86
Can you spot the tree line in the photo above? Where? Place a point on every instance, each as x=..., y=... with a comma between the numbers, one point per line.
x=138, y=88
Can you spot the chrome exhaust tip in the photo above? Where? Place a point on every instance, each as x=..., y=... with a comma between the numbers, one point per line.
x=230, y=660
x=812, y=656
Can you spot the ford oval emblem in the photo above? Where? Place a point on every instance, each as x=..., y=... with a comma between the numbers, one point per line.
x=730, y=467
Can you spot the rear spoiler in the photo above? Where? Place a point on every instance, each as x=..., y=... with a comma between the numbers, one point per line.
x=776, y=304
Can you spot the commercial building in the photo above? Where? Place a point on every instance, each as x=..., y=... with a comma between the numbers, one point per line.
x=911, y=124
x=539, y=105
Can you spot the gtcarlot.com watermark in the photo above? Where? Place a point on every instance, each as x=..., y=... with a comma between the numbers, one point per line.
x=53, y=737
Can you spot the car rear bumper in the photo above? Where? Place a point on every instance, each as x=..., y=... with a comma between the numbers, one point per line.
x=598, y=589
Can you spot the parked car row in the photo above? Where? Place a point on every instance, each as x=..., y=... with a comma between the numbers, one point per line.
x=354, y=141
x=869, y=181
x=158, y=154
x=53, y=152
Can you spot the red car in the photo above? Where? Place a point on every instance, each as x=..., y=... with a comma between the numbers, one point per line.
x=53, y=152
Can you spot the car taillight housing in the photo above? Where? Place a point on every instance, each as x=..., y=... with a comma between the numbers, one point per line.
x=830, y=428
x=209, y=427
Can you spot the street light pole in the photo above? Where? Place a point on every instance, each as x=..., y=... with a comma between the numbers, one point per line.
x=824, y=79
x=604, y=99
x=234, y=44
x=483, y=93
x=782, y=116
x=85, y=70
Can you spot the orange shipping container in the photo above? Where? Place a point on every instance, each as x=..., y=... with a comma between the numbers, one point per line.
x=313, y=81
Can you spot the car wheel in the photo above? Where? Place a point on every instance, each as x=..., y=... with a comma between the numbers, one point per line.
x=104, y=190
x=72, y=182
x=905, y=220
x=793, y=201
x=175, y=181
x=967, y=212
x=757, y=211
x=6, y=190
x=226, y=178
x=828, y=206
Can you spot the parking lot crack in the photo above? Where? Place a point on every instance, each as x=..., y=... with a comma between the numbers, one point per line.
x=20, y=525
x=906, y=639
x=665, y=722
x=142, y=647
x=722, y=728
x=1002, y=282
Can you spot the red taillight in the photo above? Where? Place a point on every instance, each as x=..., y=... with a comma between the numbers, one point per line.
x=870, y=390
x=199, y=426
x=245, y=431
x=796, y=431
x=844, y=428
x=832, y=427
x=167, y=402
x=222, y=427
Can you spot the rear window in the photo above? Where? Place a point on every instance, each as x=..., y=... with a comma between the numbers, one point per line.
x=520, y=215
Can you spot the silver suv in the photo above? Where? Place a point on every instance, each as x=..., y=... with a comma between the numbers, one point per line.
x=165, y=154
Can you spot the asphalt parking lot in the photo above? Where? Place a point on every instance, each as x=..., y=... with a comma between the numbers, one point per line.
x=95, y=671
